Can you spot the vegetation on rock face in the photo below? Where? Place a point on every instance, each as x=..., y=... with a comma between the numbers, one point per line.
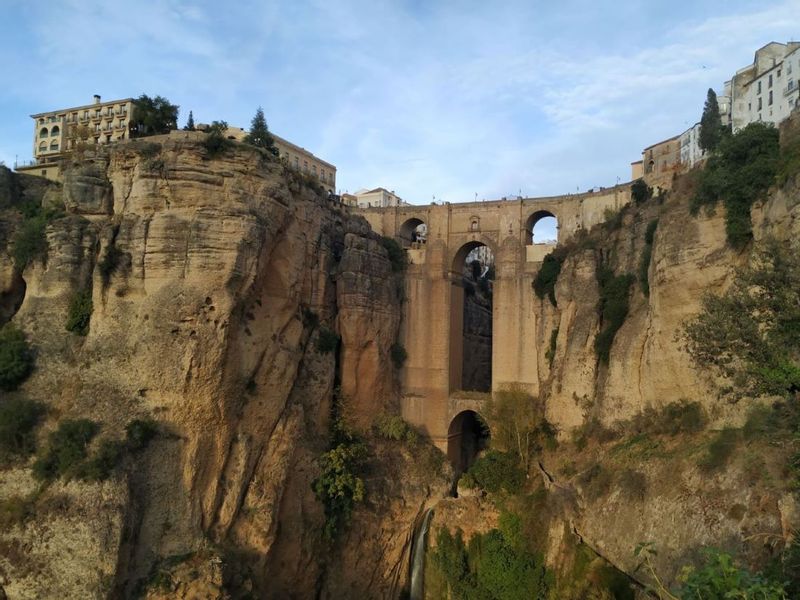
x=647, y=255
x=16, y=358
x=738, y=174
x=30, y=242
x=495, y=471
x=613, y=308
x=80, y=313
x=397, y=254
x=398, y=354
x=495, y=564
x=215, y=142
x=259, y=135
x=544, y=284
x=640, y=191
x=139, y=432
x=720, y=578
x=18, y=418
x=550, y=354
x=327, y=340
x=751, y=334
x=711, y=129
x=339, y=486
x=153, y=116
x=110, y=263
x=67, y=449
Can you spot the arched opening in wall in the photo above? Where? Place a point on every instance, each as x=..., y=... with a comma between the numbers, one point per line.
x=541, y=228
x=467, y=436
x=413, y=233
x=472, y=277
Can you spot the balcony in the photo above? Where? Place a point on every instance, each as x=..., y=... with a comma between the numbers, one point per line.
x=791, y=88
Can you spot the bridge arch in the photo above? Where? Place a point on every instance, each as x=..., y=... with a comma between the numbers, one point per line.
x=540, y=226
x=467, y=435
x=412, y=231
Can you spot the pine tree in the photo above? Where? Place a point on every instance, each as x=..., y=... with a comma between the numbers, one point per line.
x=259, y=133
x=190, y=122
x=711, y=129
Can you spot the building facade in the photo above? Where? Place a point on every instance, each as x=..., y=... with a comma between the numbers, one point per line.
x=767, y=89
x=297, y=157
x=56, y=133
x=690, y=150
x=376, y=198
x=662, y=158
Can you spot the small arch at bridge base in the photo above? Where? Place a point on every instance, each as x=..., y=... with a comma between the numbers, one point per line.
x=466, y=437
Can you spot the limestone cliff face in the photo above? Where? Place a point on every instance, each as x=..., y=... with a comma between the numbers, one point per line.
x=226, y=269
x=680, y=508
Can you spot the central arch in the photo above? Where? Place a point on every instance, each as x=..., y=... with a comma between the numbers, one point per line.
x=471, y=318
x=467, y=436
x=541, y=228
x=413, y=233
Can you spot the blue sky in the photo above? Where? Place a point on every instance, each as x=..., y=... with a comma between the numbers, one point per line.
x=457, y=100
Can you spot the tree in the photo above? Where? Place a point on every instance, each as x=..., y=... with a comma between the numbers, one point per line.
x=259, y=133
x=152, y=116
x=711, y=129
x=750, y=335
x=190, y=123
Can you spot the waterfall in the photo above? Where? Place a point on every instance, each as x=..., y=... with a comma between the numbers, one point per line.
x=418, y=546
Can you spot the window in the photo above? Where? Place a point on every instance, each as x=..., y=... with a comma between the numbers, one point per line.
x=54, y=146
x=759, y=107
x=43, y=132
x=54, y=131
x=770, y=80
x=108, y=138
x=758, y=91
x=41, y=121
x=770, y=98
x=43, y=147
x=305, y=166
x=296, y=162
x=750, y=106
x=790, y=85
x=779, y=72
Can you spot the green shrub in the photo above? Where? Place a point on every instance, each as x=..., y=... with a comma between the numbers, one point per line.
x=749, y=335
x=396, y=253
x=110, y=263
x=398, y=354
x=394, y=427
x=720, y=578
x=338, y=486
x=16, y=358
x=647, y=254
x=495, y=471
x=66, y=449
x=640, y=191
x=494, y=565
x=789, y=161
x=99, y=467
x=18, y=418
x=327, y=340
x=720, y=450
x=544, y=284
x=613, y=308
x=80, y=313
x=30, y=242
x=216, y=142
x=739, y=174
x=139, y=432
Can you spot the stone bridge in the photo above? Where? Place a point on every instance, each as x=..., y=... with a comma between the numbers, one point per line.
x=432, y=328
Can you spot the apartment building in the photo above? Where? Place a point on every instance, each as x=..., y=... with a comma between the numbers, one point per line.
x=297, y=157
x=767, y=89
x=375, y=198
x=56, y=132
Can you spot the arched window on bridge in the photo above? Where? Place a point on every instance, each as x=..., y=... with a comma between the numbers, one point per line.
x=541, y=228
x=472, y=278
x=413, y=233
x=467, y=435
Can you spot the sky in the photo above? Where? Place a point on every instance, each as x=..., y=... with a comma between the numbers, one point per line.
x=452, y=101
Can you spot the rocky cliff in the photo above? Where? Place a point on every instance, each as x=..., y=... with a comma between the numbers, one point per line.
x=211, y=279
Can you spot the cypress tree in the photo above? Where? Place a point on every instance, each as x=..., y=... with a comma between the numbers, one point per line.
x=710, y=124
x=259, y=133
x=190, y=122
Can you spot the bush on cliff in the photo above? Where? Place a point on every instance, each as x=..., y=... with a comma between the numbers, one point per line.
x=647, y=255
x=544, y=284
x=397, y=254
x=338, y=486
x=613, y=308
x=738, y=174
x=16, y=358
x=80, y=313
x=750, y=335
x=640, y=191
x=721, y=578
x=67, y=449
x=327, y=340
x=30, y=242
x=496, y=471
x=18, y=418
